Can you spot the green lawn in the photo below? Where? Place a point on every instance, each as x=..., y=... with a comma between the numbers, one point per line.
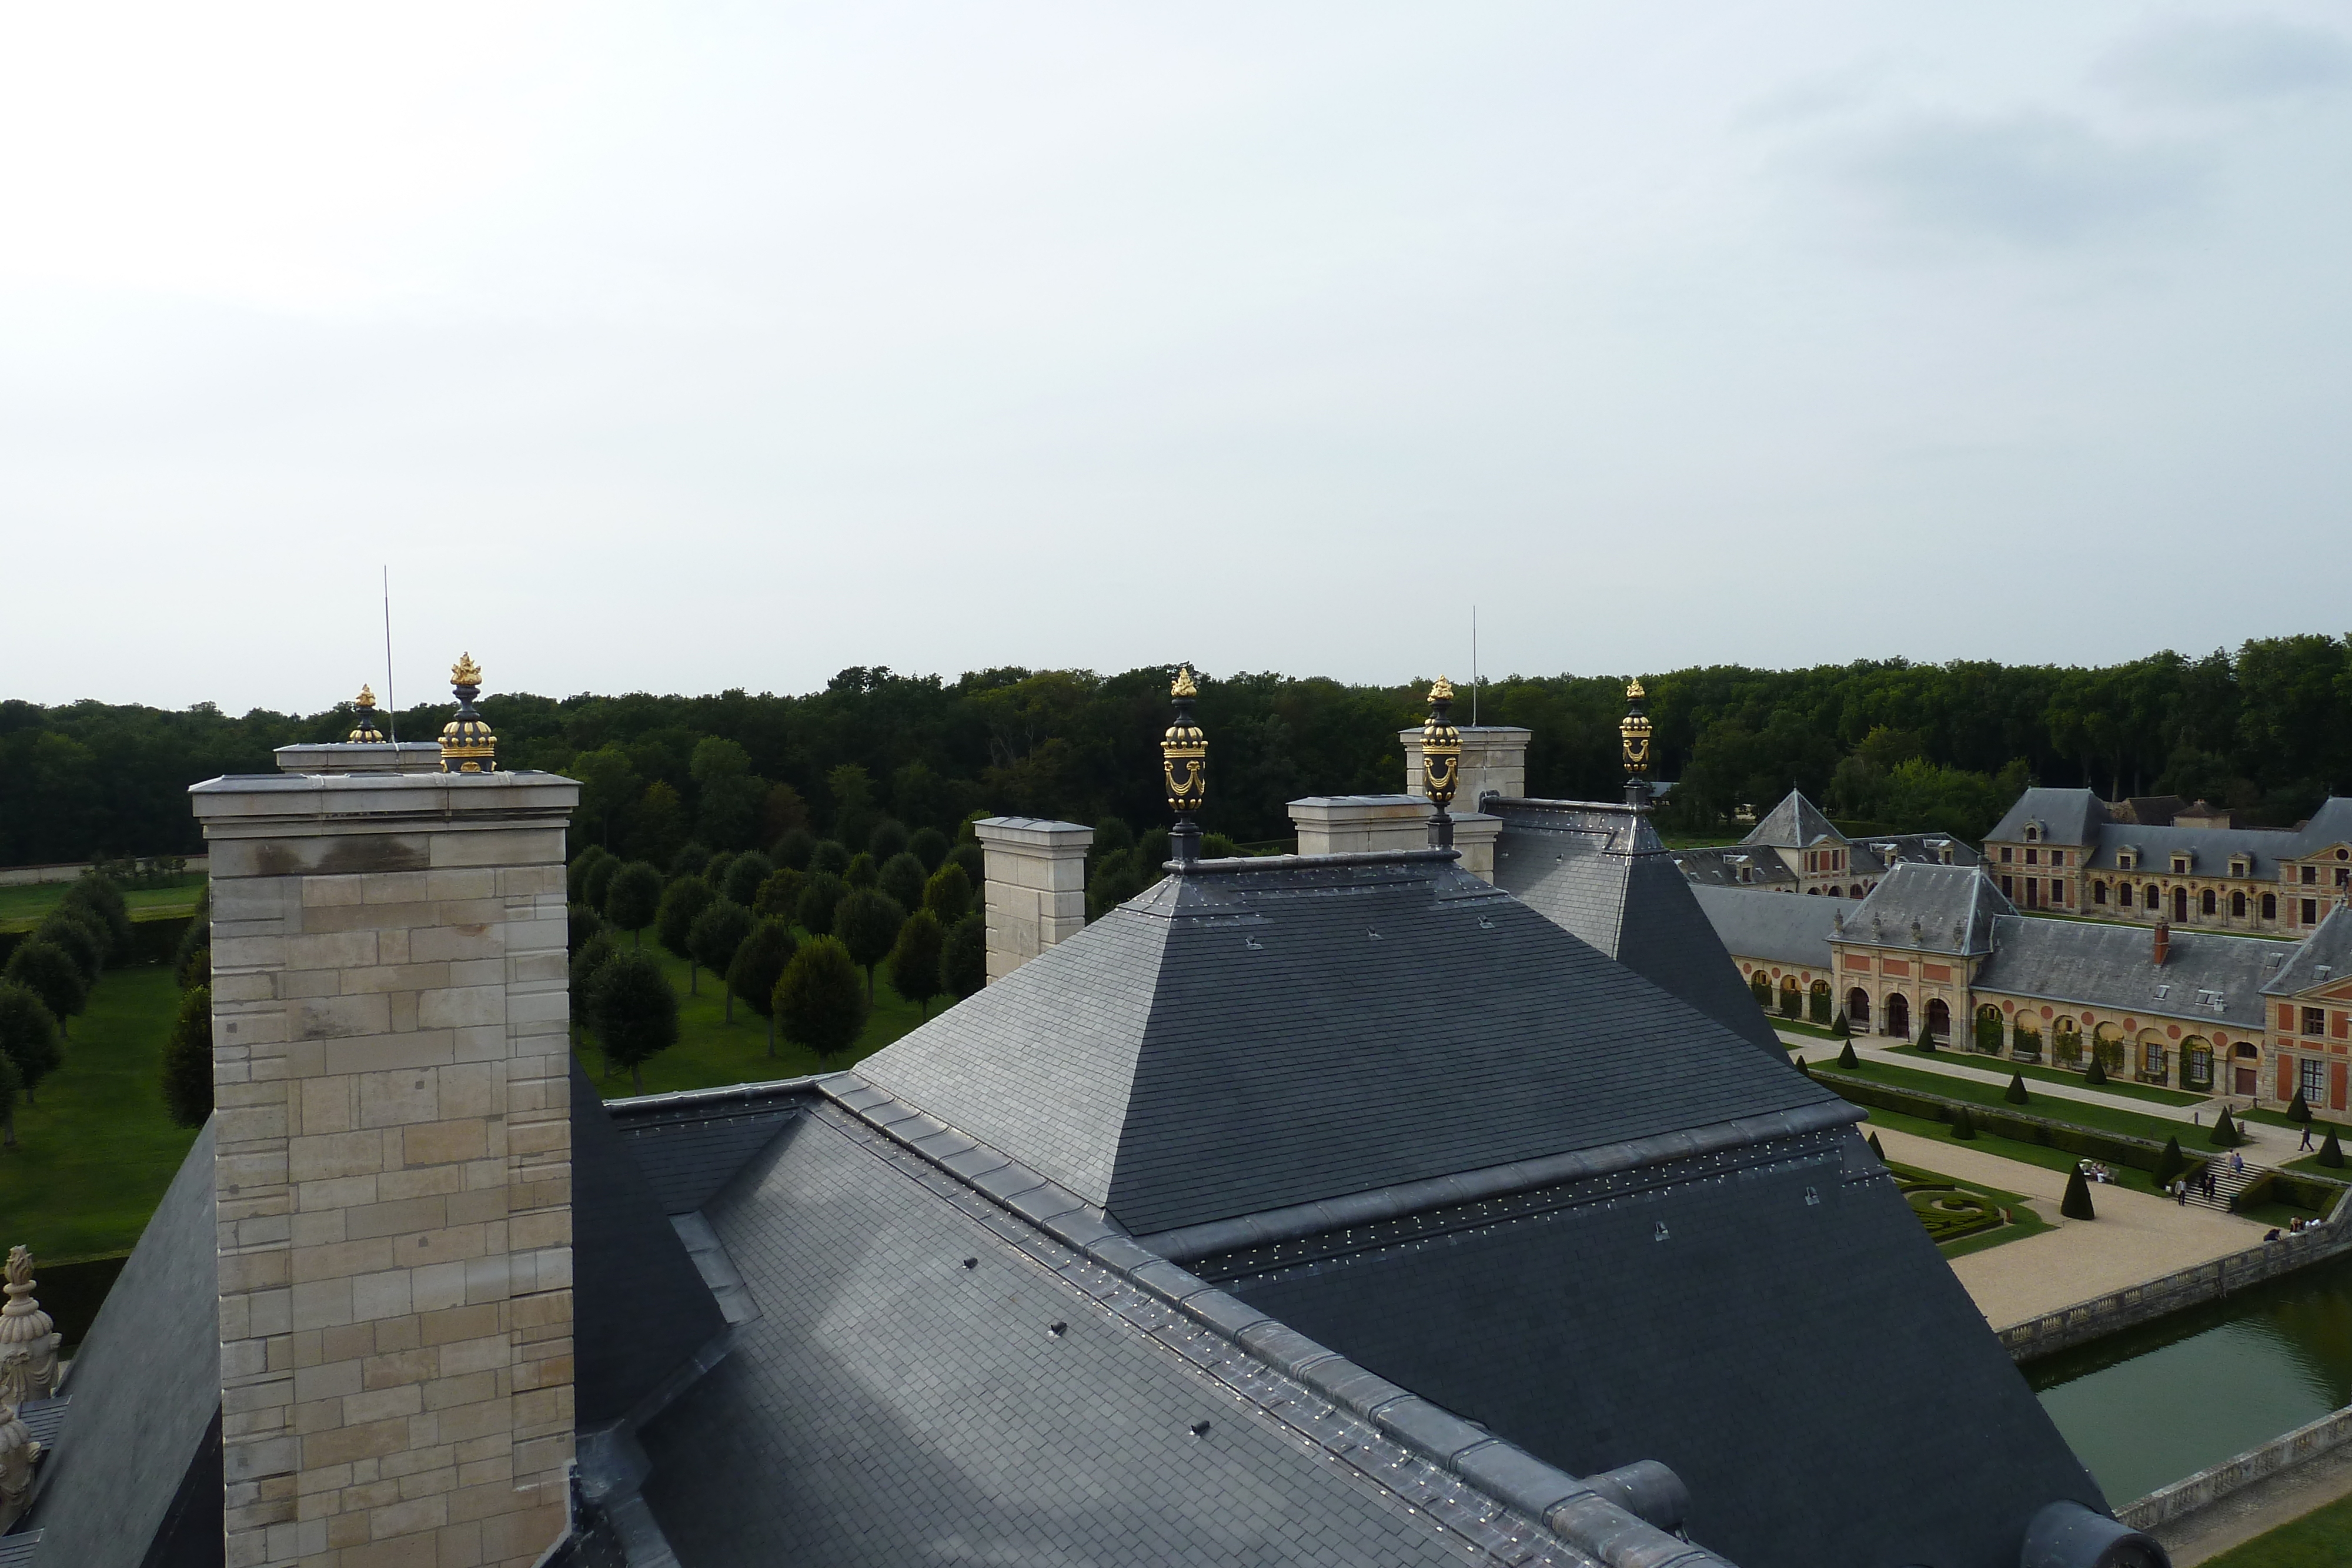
x=711, y=1052
x=1985, y=1143
x=21, y=908
x=1805, y=1027
x=93, y=1158
x=2047, y=1107
x=1948, y=1204
x=2320, y=1539
x=2149, y=1092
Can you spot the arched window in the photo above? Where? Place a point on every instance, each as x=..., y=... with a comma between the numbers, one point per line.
x=2181, y=903
x=2205, y=904
x=2107, y=1046
x=2196, y=1062
x=1791, y=999
x=2098, y=892
x=2066, y=1043
x=1818, y=1001
x=2237, y=904
x=2154, y=899
x=2270, y=906
x=2151, y=1057
x=1898, y=1016
x=1939, y=1018
x=1760, y=985
x=1989, y=1030
x=1854, y=892
x=1857, y=1008
x=2122, y=895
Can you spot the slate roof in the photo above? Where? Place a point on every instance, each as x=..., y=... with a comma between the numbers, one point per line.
x=1731, y=1341
x=1779, y=927
x=1720, y=865
x=2207, y=977
x=2319, y=958
x=1935, y=908
x=1599, y=871
x=1795, y=823
x=2330, y=825
x=2210, y=847
x=2068, y=817
x=934, y=1378
x=144, y=1395
x=1250, y=1035
x=641, y=1313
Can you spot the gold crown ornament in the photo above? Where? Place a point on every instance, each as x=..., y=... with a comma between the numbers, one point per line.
x=1184, y=750
x=364, y=731
x=1440, y=747
x=467, y=744
x=1634, y=732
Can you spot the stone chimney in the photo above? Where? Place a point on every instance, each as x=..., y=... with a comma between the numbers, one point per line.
x=1494, y=762
x=1361, y=824
x=1035, y=888
x=390, y=1014
x=2163, y=942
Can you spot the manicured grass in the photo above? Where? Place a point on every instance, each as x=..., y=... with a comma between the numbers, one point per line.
x=21, y=908
x=2047, y=1107
x=2149, y=1092
x=1966, y=1207
x=2320, y=1539
x=711, y=1052
x=1985, y=1143
x=92, y=1160
x=1806, y=1027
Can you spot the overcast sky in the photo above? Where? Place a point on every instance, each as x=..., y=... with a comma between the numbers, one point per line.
x=688, y=347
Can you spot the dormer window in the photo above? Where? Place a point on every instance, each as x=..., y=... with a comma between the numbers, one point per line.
x=2127, y=860
x=2032, y=832
x=2181, y=865
x=2240, y=867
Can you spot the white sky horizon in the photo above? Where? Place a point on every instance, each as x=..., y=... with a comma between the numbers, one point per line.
x=695, y=347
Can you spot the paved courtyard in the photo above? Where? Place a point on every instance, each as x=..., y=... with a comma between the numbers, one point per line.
x=2137, y=1236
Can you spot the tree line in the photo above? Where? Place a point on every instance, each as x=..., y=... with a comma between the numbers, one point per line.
x=2266, y=731
x=787, y=931
x=46, y=985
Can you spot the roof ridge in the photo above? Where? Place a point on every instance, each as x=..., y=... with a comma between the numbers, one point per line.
x=1578, y=1511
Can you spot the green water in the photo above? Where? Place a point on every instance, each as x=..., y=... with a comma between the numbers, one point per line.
x=2150, y=1405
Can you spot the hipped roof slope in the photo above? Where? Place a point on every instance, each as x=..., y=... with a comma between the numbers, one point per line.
x=1249, y=1035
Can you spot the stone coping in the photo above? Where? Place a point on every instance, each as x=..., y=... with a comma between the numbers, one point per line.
x=2214, y=1482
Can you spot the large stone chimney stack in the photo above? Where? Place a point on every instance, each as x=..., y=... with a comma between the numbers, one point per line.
x=392, y=1169
x=1035, y=886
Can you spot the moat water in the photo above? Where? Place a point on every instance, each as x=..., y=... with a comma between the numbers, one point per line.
x=2156, y=1404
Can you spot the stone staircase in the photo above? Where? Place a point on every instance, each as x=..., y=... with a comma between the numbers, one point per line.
x=2227, y=1182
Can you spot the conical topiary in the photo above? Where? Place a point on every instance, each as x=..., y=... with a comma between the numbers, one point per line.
x=1802, y=1067
x=2076, y=1204
x=1840, y=1028
x=1877, y=1148
x=1847, y=1059
x=1963, y=1126
x=2170, y=1163
x=2015, y=1093
x=1927, y=1038
x=2331, y=1153
x=2225, y=1131
x=2097, y=1072
x=2298, y=1109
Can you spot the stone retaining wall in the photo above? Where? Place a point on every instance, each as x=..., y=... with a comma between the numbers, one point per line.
x=2070, y=1326
x=2210, y=1486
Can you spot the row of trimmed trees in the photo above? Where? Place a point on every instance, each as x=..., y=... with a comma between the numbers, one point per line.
x=46, y=985
x=789, y=940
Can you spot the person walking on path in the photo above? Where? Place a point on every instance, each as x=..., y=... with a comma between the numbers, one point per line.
x=2180, y=1191
x=2237, y=1161
x=2306, y=1138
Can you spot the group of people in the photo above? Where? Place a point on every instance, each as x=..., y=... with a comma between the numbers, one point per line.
x=2202, y=1183
x=2094, y=1171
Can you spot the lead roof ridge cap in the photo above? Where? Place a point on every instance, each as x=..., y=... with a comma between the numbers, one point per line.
x=1295, y=1221
x=1232, y=865
x=807, y=1083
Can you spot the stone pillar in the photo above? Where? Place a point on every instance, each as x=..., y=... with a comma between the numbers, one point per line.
x=1494, y=758
x=390, y=1046
x=1361, y=824
x=1036, y=887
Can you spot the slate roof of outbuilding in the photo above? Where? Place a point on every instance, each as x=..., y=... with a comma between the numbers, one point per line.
x=2330, y=825
x=1779, y=927
x=2321, y=958
x=1599, y=871
x=2210, y=847
x=1795, y=823
x=2207, y=977
x=1250, y=1035
x=2068, y=816
x=1953, y=908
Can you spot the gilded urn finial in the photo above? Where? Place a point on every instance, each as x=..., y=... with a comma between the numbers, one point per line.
x=1633, y=736
x=467, y=744
x=1184, y=767
x=365, y=730
x=1440, y=761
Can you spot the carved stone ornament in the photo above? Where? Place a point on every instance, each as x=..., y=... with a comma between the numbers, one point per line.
x=28, y=1337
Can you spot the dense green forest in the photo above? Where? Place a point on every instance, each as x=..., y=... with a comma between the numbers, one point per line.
x=2267, y=729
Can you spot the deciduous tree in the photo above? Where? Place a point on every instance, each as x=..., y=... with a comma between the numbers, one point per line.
x=681, y=901
x=188, y=1060
x=821, y=894
x=714, y=934
x=963, y=957
x=915, y=960
x=947, y=895
x=633, y=899
x=49, y=973
x=28, y=1037
x=745, y=873
x=868, y=923
x=759, y=964
x=636, y=1013
x=819, y=1003
x=902, y=878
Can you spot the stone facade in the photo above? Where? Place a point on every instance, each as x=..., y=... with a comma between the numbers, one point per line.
x=389, y=1026
x=1035, y=887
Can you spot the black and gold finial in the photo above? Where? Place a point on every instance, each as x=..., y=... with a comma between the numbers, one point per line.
x=364, y=731
x=1633, y=736
x=467, y=744
x=1440, y=761
x=1184, y=765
